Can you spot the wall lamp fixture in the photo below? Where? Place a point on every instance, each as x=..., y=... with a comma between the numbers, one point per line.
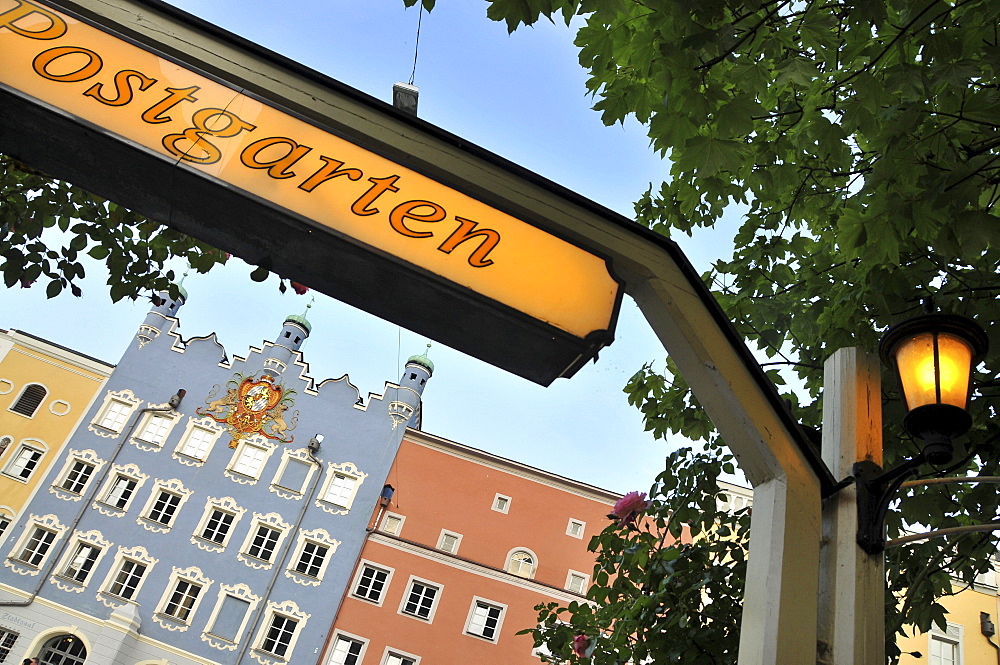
x=933, y=356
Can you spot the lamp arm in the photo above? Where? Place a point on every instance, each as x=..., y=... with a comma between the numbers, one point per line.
x=995, y=480
x=876, y=490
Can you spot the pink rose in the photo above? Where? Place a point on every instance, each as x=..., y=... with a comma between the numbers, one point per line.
x=299, y=288
x=580, y=645
x=629, y=506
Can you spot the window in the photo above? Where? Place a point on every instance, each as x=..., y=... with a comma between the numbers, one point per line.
x=521, y=563
x=29, y=400
x=155, y=429
x=419, y=601
x=575, y=528
x=218, y=525
x=945, y=646
x=263, y=543
x=311, y=559
x=485, y=619
x=577, y=582
x=394, y=658
x=120, y=492
x=292, y=476
x=197, y=443
x=37, y=546
x=501, y=503
x=9, y=637
x=449, y=541
x=164, y=507
x=23, y=462
x=340, y=491
x=346, y=651
x=4, y=523
x=229, y=618
x=249, y=460
x=81, y=562
x=128, y=579
x=115, y=414
x=279, y=635
x=77, y=476
x=392, y=523
x=371, y=582
x=65, y=650
x=182, y=600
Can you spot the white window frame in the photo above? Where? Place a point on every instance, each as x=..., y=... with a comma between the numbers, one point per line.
x=48, y=523
x=137, y=555
x=21, y=394
x=392, y=652
x=581, y=528
x=89, y=457
x=569, y=581
x=439, y=590
x=349, y=470
x=173, y=486
x=534, y=562
x=128, y=472
x=476, y=602
x=258, y=444
x=362, y=564
x=8, y=638
x=153, y=445
x=952, y=637
x=127, y=402
x=242, y=592
x=501, y=503
x=25, y=448
x=351, y=637
x=227, y=505
x=399, y=520
x=301, y=455
x=318, y=537
x=92, y=539
x=271, y=521
x=441, y=540
x=7, y=517
x=289, y=610
x=201, y=424
x=192, y=576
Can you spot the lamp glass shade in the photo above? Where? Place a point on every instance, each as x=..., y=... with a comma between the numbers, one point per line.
x=934, y=368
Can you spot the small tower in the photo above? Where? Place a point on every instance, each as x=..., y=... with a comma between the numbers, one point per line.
x=293, y=334
x=161, y=316
x=407, y=405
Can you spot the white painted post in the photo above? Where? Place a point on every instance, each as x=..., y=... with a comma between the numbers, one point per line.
x=852, y=583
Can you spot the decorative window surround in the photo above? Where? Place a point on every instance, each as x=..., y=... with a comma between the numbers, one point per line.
x=485, y=619
x=31, y=397
x=371, y=582
x=23, y=462
x=348, y=649
x=249, y=460
x=114, y=413
x=158, y=515
x=284, y=478
x=35, y=544
x=342, y=484
x=6, y=517
x=577, y=582
x=185, y=591
x=275, y=641
x=211, y=521
x=6, y=386
x=153, y=429
x=576, y=528
x=199, y=437
x=312, y=555
x=522, y=562
x=259, y=547
x=121, y=486
x=146, y=334
x=80, y=560
x=392, y=523
x=128, y=573
x=449, y=541
x=80, y=467
x=421, y=599
x=501, y=503
x=59, y=407
x=237, y=592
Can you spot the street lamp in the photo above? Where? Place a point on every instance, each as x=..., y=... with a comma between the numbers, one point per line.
x=933, y=356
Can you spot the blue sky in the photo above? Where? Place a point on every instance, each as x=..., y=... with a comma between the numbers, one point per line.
x=521, y=96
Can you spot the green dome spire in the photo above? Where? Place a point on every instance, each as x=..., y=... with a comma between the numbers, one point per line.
x=302, y=320
x=423, y=360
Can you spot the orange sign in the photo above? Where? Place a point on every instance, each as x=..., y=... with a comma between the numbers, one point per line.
x=203, y=124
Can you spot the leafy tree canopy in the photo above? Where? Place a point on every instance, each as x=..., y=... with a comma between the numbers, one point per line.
x=860, y=142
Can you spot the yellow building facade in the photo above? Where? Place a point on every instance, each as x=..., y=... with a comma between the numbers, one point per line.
x=45, y=390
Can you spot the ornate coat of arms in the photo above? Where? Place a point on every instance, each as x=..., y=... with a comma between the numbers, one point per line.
x=252, y=406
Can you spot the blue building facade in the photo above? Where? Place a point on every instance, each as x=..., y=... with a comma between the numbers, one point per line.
x=206, y=510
